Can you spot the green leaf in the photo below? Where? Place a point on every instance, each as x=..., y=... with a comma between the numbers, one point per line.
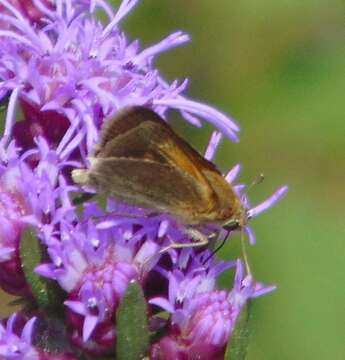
x=131, y=325
x=239, y=339
x=46, y=292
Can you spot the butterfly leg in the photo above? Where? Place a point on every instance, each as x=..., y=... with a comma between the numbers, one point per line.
x=201, y=240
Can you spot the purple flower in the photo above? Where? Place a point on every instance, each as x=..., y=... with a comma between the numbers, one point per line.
x=16, y=338
x=202, y=318
x=85, y=71
x=29, y=195
x=13, y=206
x=69, y=72
x=14, y=345
x=25, y=8
x=93, y=260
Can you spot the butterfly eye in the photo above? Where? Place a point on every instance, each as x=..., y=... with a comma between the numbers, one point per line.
x=232, y=225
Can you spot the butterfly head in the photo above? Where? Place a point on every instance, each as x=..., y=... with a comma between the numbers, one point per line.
x=238, y=219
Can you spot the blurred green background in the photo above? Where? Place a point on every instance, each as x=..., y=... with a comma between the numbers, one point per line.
x=278, y=67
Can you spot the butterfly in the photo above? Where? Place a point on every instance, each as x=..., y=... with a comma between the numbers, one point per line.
x=142, y=161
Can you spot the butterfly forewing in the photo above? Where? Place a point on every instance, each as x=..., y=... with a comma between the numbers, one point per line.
x=141, y=134
x=153, y=185
x=123, y=122
x=141, y=160
x=158, y=137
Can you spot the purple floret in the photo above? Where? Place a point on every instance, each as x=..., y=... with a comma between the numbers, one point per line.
x=17, y=346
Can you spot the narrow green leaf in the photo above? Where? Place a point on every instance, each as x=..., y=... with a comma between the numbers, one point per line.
x=239, y=340
x=131, y=325
x=46, y=292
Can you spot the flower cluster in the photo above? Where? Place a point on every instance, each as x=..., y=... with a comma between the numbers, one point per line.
x=68, y=72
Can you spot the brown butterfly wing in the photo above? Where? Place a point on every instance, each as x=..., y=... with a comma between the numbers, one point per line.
x=150, y=165
x=124, y=121
x=150, y=184
x=138, y=131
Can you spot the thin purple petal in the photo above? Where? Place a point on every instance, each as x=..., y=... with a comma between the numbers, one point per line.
x=213, y=145
x=90, y=323
x=11, y=112
x=233, y=173
x=279, y=194
x=162, y=303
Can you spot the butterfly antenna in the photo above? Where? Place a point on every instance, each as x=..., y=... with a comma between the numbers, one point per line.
x=258, y=180
x=218, y=247
x=244, y=253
